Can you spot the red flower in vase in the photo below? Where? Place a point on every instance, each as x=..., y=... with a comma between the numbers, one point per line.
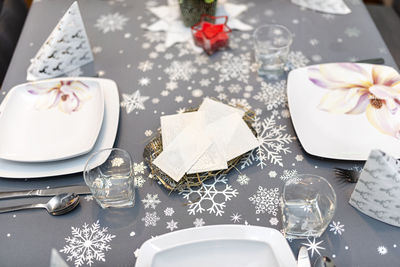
x=211, y=36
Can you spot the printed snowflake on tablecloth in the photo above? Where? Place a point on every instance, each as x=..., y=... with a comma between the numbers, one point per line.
x=198, y=222
x=145, y=66
x=382, y=250
x=313, y=246
x=336, y=227
x=138, y=181
x=87, y=244
x=289, y=174
x=296, y=59
x=236, y=217
x=133, y=102
x=243, y=179
x=151, y=201
x=172, y=225
x=266, y=200
x=233, y=67
x=273, y=142
x=154, y=37
x=210, y=197
x=139, y=168
x=150, y=218
x=180, y=70
x=111, y=22
x=273, y=95
x=273, y=221
x=169, y=211
x=241, y=102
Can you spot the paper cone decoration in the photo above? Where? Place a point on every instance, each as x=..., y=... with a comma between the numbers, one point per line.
x=66, y=49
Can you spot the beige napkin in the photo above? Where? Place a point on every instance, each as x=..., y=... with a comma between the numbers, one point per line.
x=378, y=189
x=326, y=6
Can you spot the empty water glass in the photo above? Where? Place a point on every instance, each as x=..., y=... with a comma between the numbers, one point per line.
x=108, y=174
x=271, y=43
x=308, y=205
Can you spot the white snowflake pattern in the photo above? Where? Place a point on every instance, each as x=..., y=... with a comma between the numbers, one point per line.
x=236, y=217
x=314, y=42
x=266, y=200
x=154, y=37
x=272, y=174
x=139, y=168
x=198, y=222
x=273, y=221
x=296, y=59
x=151, y=201
x=336, y=227
x=111, y=22
x=169, y=211
x=171, y=85
x=180, y=70
x=299, y=157
x=87, y=244
x=234, y=88
x=211, y=196
x=201, y=60
x=144, y=81
x=88, y=197
x=150, y=219
x=233, y=67
x=289, y=174
x=352, y=32
x=204, y=82
x=240, y=102
x=117, y=162
x=243, y=179
x=273, y=95
x=172, y=225
x=382, y=250
x=313, y=246
x=273, y=141
x=97, y=49
x=133, y=102
x=145, y=66
x=138, y=181
x=148, y=133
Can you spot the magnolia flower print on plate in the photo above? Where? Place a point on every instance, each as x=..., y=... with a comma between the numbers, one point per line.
x=353, y=89
x=68, y=96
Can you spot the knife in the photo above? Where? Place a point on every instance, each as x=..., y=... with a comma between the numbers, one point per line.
x=379, y=61
x=303, y=260
x=77, y=189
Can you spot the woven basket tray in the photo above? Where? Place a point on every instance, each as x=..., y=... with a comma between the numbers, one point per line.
x=154, y=148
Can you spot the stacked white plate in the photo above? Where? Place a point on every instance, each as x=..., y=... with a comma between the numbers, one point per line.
x=50, y=127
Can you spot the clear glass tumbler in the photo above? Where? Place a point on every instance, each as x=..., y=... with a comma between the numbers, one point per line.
x=271, y=43
x=108, y=174
x=308, y=205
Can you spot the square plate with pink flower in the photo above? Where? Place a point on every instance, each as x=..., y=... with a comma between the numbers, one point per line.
x=344, y=110
x=50, y=120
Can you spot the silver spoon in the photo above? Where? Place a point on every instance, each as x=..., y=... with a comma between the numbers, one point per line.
x=57, y=205
x=324, y=261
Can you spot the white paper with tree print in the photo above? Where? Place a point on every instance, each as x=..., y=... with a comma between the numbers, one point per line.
x=66, y=49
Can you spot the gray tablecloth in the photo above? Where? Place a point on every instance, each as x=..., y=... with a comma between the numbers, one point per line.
x=174, y=79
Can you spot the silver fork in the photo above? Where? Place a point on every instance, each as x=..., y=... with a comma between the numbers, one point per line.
x=350, y=176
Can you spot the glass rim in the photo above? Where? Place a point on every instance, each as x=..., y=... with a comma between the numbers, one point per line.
x=96, y=153
x=278, y=26
x=312, y=176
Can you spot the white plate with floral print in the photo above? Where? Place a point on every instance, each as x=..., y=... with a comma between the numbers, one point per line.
x=217, y=245
x=50, y=120
x=105, y=139
x=344, y=110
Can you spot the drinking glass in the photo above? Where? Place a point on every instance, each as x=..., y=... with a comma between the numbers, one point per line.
x=271, y=44
x=108, y=174
x=308, y=205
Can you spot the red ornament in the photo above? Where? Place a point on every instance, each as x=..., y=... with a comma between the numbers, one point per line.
x=210, y=36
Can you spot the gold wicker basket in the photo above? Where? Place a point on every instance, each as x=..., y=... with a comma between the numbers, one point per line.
x=154, y=148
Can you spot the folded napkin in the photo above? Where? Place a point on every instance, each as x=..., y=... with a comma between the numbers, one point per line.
x=378, y=189
x=326, y=6
x=66, y=49
x=171, y=23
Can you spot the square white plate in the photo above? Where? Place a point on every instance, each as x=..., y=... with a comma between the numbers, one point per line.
x=217, y=245
x=332, y=135
x=105, y=139
x=50, y=120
